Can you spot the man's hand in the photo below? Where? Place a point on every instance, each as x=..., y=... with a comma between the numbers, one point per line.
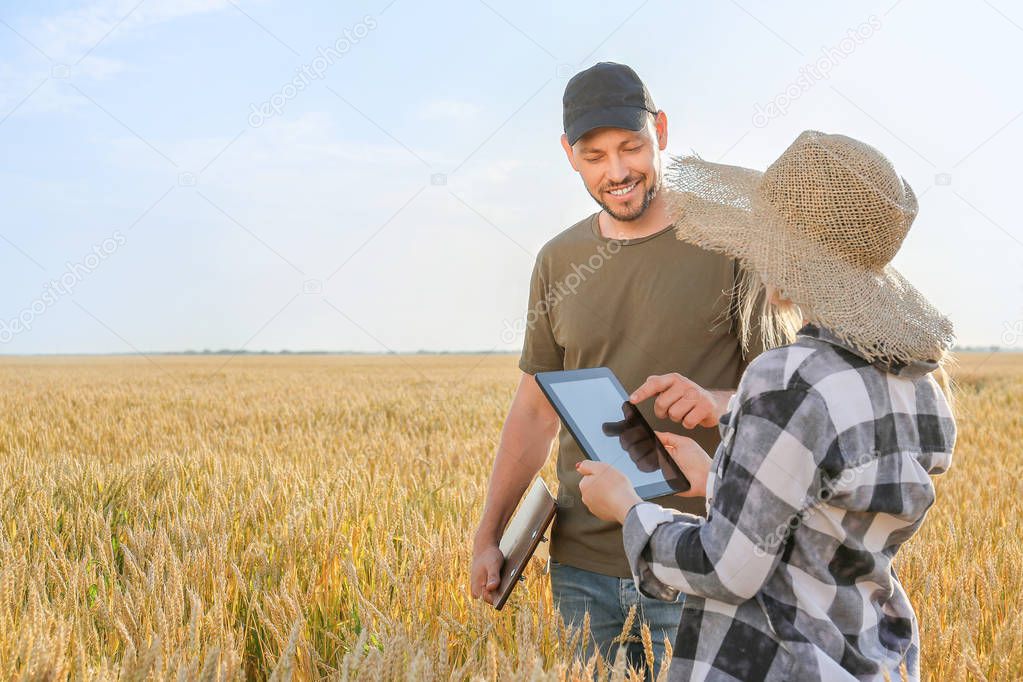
x=485, y=573
x=682, y=400
x=605, y=491
x=691, y=459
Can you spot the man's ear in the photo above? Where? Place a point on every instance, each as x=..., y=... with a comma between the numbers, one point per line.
x=569, y=152
x=661, y=129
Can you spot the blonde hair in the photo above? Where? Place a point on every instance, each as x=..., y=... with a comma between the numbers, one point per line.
x=944, y=380
x=755, y=317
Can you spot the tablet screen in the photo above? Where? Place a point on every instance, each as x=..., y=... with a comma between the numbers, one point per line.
x=615, y=432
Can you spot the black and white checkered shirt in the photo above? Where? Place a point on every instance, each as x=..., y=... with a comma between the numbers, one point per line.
x=821, y=475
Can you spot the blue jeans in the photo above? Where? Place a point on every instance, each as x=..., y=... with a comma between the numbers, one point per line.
x=608, y=599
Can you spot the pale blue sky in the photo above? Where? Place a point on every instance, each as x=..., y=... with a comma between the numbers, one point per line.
x=134, y=168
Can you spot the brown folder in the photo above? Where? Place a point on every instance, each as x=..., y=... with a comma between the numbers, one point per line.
x=523, y=534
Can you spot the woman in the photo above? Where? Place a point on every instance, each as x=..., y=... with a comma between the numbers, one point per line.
x=827, y=445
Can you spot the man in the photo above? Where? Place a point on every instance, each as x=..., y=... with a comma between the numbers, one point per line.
x=616, y=289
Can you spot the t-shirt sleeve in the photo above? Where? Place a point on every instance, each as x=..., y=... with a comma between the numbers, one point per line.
x=540, y=350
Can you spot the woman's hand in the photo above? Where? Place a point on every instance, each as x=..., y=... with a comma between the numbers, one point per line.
x=606, y=492
x=691, y=459
x=682, y=400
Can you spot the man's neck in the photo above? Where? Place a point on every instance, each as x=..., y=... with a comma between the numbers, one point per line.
x=653, y=220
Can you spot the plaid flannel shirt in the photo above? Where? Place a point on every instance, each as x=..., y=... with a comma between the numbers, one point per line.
x=821, y=475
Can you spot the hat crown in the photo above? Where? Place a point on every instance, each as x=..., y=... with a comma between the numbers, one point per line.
x=843, y=195
x=607, y=94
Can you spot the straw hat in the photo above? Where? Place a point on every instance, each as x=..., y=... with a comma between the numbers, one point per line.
x=821, y=224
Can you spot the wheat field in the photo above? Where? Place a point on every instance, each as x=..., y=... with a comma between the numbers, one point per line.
x=310, y=517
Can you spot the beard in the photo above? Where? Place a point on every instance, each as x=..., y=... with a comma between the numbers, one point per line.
x=634, y=213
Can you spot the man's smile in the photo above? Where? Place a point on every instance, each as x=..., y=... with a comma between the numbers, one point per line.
x=623, y=192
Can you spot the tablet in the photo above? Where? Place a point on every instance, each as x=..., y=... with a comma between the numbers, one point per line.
x=608, y=428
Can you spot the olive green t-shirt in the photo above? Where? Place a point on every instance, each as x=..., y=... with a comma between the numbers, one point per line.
x=650, y=305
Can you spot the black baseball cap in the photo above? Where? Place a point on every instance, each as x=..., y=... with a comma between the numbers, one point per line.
x=606, y=94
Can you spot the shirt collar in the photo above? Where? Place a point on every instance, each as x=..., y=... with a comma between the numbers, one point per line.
x=914, y=368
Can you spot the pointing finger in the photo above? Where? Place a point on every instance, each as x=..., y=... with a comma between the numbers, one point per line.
x=652, y=386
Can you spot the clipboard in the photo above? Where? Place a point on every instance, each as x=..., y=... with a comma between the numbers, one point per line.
x=522, y=536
